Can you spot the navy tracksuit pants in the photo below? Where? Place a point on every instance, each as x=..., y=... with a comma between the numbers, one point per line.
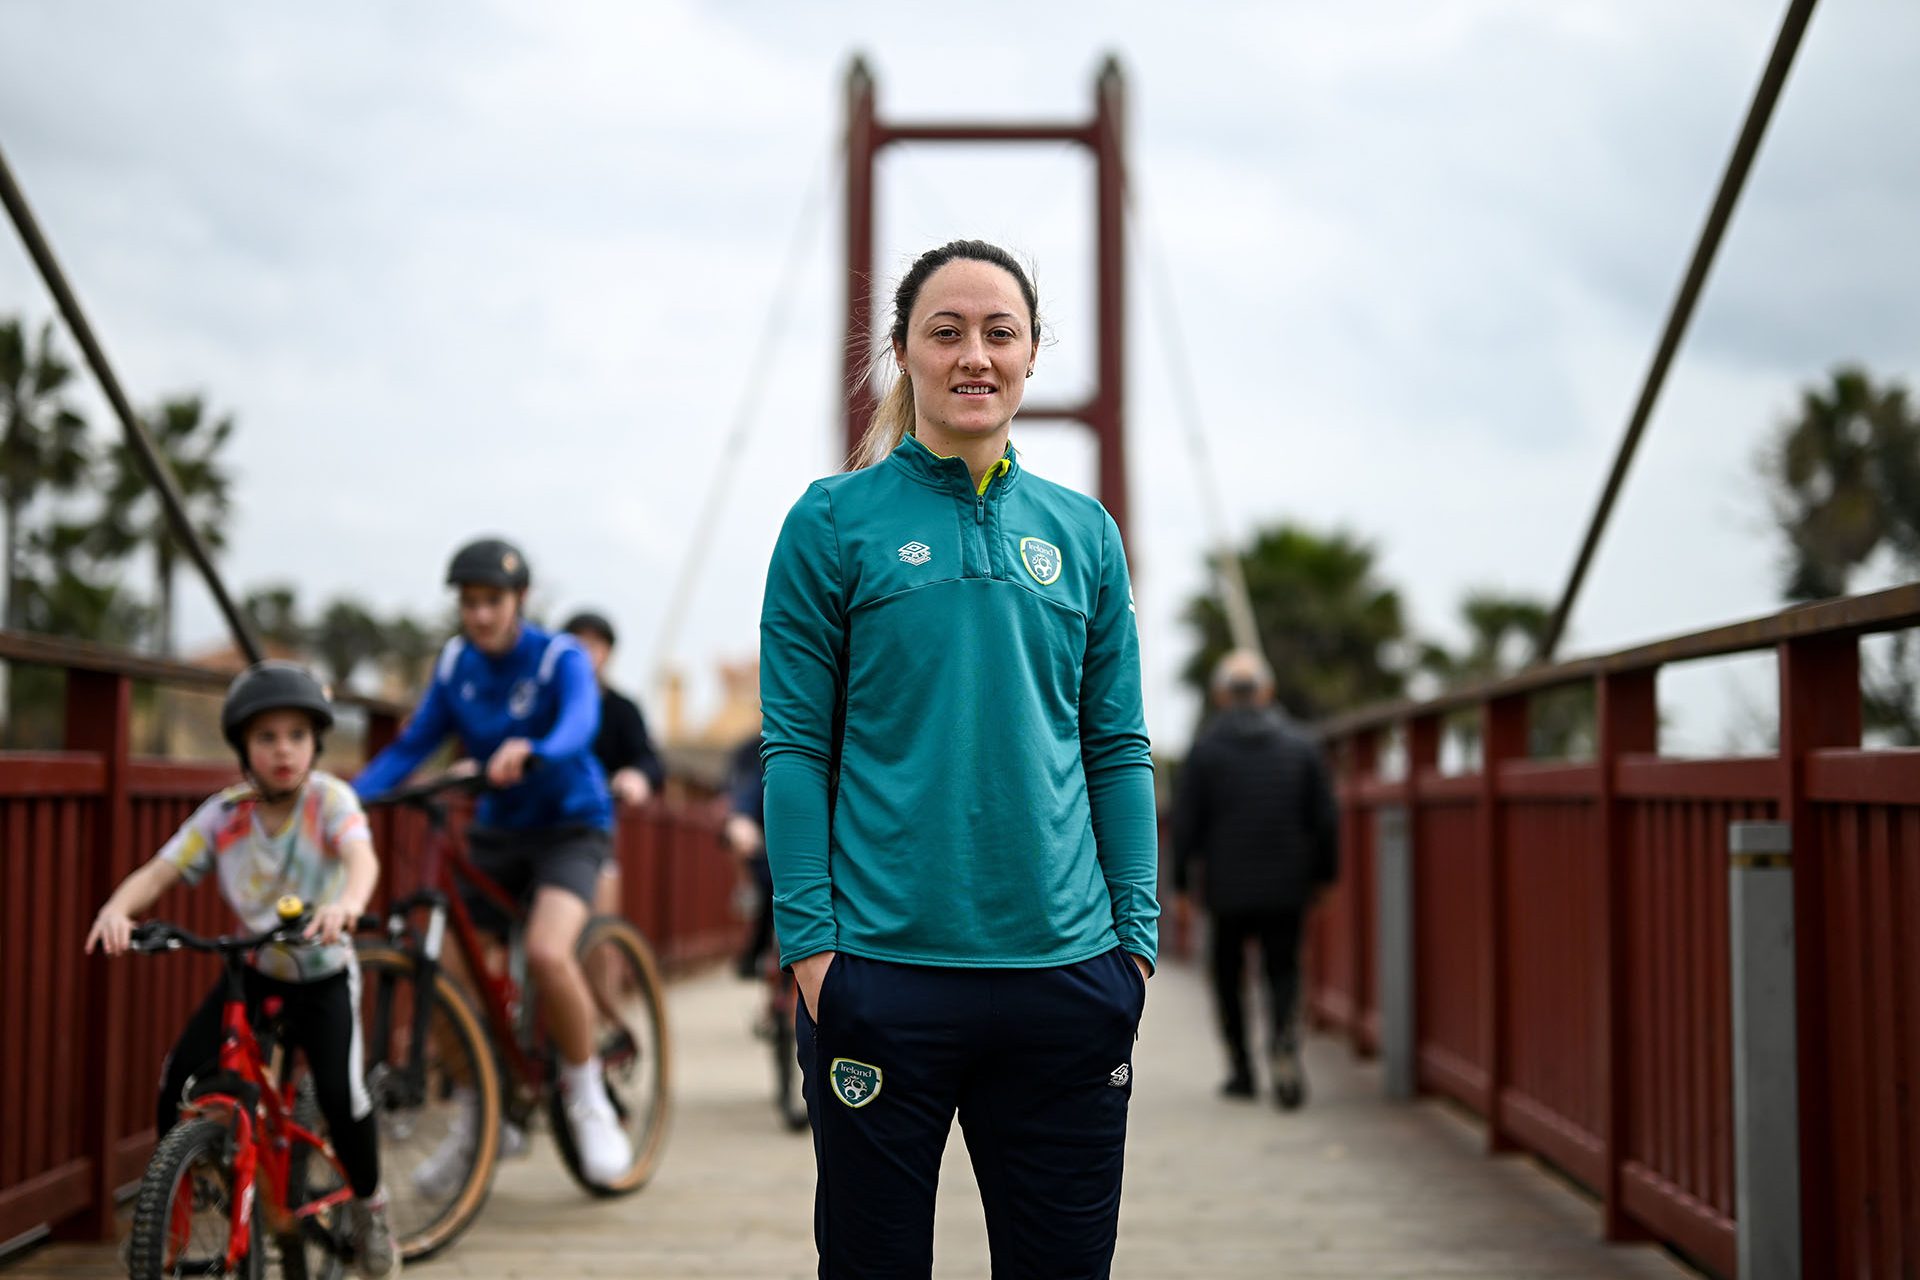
x=1038, y=1063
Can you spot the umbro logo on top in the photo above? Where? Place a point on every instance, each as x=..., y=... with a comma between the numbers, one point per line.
x=916, y=553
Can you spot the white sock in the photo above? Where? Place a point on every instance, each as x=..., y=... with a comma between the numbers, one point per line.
x=582, y=1080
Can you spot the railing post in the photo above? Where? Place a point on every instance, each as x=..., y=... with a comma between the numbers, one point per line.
x=99, y=716
x=1627, y=720
x=1766, y=1139
x=1395, y=888
x=382, y=728
x=1819, y=707
x=1503, y=737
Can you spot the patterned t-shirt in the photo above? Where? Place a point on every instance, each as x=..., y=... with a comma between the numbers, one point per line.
x=257, y=867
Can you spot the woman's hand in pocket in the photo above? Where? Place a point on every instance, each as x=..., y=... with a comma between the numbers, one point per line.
x=809, y=974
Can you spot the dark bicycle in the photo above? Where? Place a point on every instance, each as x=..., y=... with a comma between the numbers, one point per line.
x=517, y=1073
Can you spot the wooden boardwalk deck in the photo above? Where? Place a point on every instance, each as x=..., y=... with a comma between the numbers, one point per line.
x=1349, y=1187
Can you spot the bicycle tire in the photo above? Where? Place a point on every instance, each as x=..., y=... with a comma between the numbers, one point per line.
x=316, y=1250
x=424, y=1225
x=188, y=1144
x=787, y=1098
x=633, y=1041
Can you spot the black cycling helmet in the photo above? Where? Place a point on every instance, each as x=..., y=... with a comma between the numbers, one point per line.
x=587, y=622
x=273, y=685
x=489, y=562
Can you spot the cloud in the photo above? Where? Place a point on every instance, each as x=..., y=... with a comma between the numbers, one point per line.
x=464, y=267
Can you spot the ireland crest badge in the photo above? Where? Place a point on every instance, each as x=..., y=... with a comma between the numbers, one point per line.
x=1042, y=560
x=855, y=1083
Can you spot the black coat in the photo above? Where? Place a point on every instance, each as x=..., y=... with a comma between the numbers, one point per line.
x=622, y=742
x=1255, y=811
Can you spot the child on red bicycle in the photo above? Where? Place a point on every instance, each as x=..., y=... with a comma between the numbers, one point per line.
x=286, y=829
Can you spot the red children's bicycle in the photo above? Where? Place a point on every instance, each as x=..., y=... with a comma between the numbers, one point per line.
x=245, y=1172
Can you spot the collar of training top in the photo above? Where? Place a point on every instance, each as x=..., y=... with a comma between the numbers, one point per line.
x=943, y=471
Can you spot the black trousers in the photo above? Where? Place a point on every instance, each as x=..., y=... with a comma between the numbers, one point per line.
x=1038, y=1064
x=322, y=1021
x=1278, y=934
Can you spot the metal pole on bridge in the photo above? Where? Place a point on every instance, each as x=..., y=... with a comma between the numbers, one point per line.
x=1766, y=1080
x=151, y=460
x=1758, y=114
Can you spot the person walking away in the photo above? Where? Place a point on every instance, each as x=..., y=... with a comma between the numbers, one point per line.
x=634, y=770
x=959, y=807
x=1254, y=815
x=525, y=702
x=286, y=828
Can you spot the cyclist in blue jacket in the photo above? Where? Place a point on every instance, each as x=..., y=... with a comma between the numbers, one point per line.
x=525, y=703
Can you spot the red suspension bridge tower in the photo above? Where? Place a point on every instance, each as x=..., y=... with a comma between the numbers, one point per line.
x=1104, y=410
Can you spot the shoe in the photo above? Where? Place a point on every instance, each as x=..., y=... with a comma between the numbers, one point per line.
x=605, y=1153
x=1238, y=1085
x=513, y=1140
x=1289, y=1080
x=441, y=1173
x=374, y=1254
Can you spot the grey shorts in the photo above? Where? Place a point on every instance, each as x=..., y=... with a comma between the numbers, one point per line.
x=524, y=862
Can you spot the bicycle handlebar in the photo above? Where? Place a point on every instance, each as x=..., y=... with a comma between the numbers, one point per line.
x=420, y=794
x=158, y=935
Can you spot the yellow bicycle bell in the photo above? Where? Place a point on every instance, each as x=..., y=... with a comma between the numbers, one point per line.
x=290, y=908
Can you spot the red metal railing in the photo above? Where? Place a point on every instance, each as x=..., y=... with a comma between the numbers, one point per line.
x=1571, y=948
x=84, y=1037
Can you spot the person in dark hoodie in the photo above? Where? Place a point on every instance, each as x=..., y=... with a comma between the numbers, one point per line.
x=1254, y=815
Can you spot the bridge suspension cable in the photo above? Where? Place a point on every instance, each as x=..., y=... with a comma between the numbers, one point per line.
x=740, y=430
x=1792, y=27
x=1230, y=580
x=146, y=453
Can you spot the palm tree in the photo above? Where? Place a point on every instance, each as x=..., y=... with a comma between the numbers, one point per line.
x=43, y=443
x=410, y=650
x=1503, y=633
x=1841, y=476
x=275, y=612
x=1330, y=628
x=348, y=634
x=190, y=442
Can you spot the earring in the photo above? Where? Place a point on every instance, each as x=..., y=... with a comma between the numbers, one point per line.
x=1029, y=373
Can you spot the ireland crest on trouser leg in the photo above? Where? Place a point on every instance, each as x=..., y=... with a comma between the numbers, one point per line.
x=1042, y=559
x=855, y=1083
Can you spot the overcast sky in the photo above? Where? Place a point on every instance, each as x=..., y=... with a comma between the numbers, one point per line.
x=473, y=267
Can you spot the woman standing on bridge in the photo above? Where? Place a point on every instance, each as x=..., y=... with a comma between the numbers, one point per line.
x=959, y=806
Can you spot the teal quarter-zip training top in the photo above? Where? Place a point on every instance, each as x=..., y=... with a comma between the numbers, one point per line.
x=957, y=766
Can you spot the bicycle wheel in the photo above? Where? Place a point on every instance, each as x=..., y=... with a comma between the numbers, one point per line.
x=630, y=1035
x=183, y=1216
x=440, y=1118
x=316, y=1247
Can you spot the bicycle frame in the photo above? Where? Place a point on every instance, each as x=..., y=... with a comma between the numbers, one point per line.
x=246, y=1097
x=445, y=867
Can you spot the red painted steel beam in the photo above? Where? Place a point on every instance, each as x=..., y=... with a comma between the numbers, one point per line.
x=1104, y=412
x=1889, y=610
x=1819, y=709
x=860, y=148
x=1628, y=722
x=1085, y=135
x=1503, y=738
x=99, y=721
x=1109, y=416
